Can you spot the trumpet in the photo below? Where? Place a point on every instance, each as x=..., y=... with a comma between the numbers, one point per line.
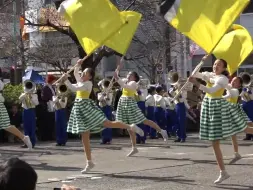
x=246, y=78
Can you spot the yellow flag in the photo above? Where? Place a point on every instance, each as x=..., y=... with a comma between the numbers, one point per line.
x=93, y=21
x=234, y=47
x=203, y=21
x=122, y=39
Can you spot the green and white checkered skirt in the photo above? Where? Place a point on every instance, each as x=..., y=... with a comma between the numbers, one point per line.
x=4, y=117
x=221, y=119
x=85, y=116
x=128, y=111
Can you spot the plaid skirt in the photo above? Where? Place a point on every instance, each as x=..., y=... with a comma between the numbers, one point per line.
x=128, y=111
x=221, y=119
x=85, y=116
x=4, y=117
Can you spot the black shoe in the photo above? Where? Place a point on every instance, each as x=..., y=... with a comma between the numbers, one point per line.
x=58, y=144
x=24, y=146
x=177, y=140
x=182, y=141
x=247, y=139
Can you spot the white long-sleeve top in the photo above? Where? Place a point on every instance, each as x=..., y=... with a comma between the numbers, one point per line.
x=60, y=101
x=132, y=85
x=1, y=89
x=183, y=99
x=218, y=81
x=150, y=101
x=169, y=104
x=80, y=85
x=231, y=92
x=107, y=99
x=159, y=101
x=33, y=100
x=144, y=93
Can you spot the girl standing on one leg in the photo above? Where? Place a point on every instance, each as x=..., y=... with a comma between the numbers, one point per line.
x=128, y=110
x=29, y=101
x=219, y=118
x=86, y=117
x=150, y=107
x=5, y=121
x=60, y=102
x=160, y=108
x=105, y=102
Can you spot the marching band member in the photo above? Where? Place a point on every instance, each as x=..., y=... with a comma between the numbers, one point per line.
x=219, y=118
x=159, y=110
x=105, y=102
x=60, y=102
x=247, y=105
x=128, y=110
x=86, y=117
x=181, y=106
x=170, y=114
x=29, y=101
x=140, y=98
x=5, y=121
x=150, y=107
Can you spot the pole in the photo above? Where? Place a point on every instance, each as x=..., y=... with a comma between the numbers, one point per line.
x=15, y=40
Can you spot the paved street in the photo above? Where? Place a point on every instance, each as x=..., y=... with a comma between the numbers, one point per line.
x=188, y=166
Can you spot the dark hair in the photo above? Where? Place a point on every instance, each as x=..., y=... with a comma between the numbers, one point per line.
x=136, y=76
x=151, y=90
x=106, y=83
x=225, y=65
x=92, y=75
x=16, y=174
x=241, y=82
x=159, y=89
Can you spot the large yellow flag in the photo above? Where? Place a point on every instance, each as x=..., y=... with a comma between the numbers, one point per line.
x=122, y=39
x=203, y=21
x=93, y=21
x=234, y=47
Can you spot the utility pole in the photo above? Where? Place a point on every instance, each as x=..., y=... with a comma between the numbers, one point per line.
x=22, y=48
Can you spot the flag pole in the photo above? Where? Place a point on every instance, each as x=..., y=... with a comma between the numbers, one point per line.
x=197, y=69
x=87, y=56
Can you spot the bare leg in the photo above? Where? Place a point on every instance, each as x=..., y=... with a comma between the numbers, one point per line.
x=13, y=130
x=249, y=129
x=155, y=126
x=86, y=145
x=219, y=159
x=121, y=125
x=132, y=137
x=152, y=124
x=235, y=144
x=87, y=150
x=237, y=156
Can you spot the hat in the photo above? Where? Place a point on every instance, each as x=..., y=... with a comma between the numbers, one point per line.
x=50, y=78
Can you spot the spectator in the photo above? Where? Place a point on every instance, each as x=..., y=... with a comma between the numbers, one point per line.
x=16, y=120
x=16, y=174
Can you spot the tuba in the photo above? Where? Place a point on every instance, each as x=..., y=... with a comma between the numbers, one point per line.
x=246, y=78
x=61, y=89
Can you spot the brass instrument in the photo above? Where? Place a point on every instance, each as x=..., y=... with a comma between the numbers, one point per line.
x=29, y=89
x=246, y=78
x=61, y=91
x=105, y=91
x=175, y=80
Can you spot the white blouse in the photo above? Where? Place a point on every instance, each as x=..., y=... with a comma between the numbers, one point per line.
x=150, y=101
x=34, y=100
x=218, y=81
x=231, y=92
x=159, y=101
x=169, y=104
x=128, y=85
x=107, y=100
x=247, y=92
x=62, y=102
